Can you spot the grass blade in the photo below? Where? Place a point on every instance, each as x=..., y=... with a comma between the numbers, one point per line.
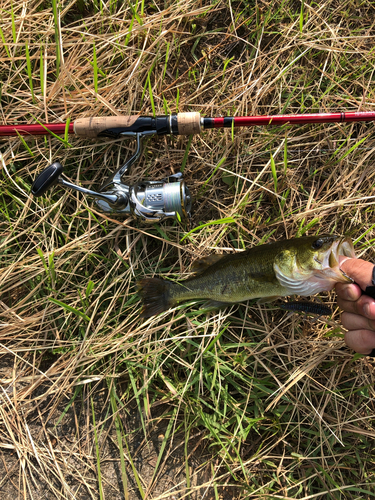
x=124, y=477
x=41, y=71
x=4, y=43
x=186, y=154
x=301, y=16
x=285, y=154
x=95, y=66
x=14, y=32
x=226, y=220
x=29, y=72
x=97, y=449
x=56, y=20
x=166, y=60
x=70, y=309
x=25, y=144
x=274, y=173
x=165, y=441
x=353, y=148
x=151, y=96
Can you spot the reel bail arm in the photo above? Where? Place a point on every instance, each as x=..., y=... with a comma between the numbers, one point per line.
x=151, y=201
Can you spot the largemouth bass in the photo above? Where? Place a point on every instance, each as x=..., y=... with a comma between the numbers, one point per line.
x=301, y=266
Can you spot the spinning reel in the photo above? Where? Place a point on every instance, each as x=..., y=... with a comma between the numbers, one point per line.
x=151, y=201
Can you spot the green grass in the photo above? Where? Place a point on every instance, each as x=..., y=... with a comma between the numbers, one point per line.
x=249, y=402
x=56, y=20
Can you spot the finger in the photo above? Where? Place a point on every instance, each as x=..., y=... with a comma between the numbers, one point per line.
x=348, y=292
x=358, y=269
x=356, y=322
x=362, y=341
x=364, y=306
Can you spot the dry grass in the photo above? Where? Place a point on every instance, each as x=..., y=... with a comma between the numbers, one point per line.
x=249, y=402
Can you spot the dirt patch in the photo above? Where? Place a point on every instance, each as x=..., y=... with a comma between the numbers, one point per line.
x=58, y=455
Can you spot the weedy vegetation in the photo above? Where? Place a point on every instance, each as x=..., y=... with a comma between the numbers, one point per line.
x=250, y=402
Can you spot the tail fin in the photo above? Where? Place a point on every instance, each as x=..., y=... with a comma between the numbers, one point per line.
x=155, y=295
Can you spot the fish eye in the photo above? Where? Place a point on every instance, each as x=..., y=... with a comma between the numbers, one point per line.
x=318, y=244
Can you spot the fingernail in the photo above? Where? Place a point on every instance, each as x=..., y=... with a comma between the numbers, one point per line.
x=366, y=309
x=351, y=294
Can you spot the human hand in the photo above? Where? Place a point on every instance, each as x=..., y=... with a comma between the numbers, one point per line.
x=359, y=310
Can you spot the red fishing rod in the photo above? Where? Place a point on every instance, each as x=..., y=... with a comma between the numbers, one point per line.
x=176, y=124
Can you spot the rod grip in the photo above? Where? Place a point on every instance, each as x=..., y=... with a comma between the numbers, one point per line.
x=113, y=126
x=91, y=127
x=189, y=123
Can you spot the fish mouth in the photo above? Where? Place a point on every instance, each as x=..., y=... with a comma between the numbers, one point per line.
x=330, y=272
x=343, y=248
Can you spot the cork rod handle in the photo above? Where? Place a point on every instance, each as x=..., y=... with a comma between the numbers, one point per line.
x=180, y=124
x=189, y=123
x=92, y=127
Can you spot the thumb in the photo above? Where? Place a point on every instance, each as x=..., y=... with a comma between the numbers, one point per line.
x=359, y=270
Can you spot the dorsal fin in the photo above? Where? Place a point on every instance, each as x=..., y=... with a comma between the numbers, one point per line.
x=200, y=265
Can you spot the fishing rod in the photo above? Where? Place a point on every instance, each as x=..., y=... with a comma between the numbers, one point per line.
x=152, y=200
x=175, y=124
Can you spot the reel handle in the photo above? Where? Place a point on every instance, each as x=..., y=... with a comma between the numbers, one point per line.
x=47, y=179
x=50, y=176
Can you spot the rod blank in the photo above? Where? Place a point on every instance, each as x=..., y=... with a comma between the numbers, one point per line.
x=176, y=124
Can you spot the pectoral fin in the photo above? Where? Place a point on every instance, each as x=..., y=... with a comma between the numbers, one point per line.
x=265, y=300
x=216, y=304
